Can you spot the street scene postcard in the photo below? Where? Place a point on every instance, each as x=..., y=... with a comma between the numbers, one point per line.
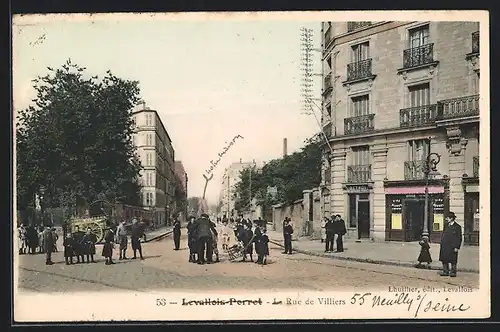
x=251, y=166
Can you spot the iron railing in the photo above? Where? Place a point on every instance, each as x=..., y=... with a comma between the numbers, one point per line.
x=359, y=173
x=415, y=170
x=418, y=56
x=351, y=26
x=359, y=70
x=458, y=107
x=418, y=116
x=475, y=42
x=359, y=124
x=475, y=166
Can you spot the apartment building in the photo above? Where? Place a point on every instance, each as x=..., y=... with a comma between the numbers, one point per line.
x=230, y=178
x=394, y=93
x=181, y=174
x=154, y=147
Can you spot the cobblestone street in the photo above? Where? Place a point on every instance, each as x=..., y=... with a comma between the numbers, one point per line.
x=164, y=268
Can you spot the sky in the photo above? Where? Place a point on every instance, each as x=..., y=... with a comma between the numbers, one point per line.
x=209, y=79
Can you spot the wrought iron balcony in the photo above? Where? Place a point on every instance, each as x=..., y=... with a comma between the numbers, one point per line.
x=351, y=26
x=359, y=124
x=415, y=170
x=418, y=116
x=328, y=82
x=475, y=166
x=475, y=42
x=458, y=107
x=418, y=56
x=359, y=173
x=327, y=129
x=359, y=70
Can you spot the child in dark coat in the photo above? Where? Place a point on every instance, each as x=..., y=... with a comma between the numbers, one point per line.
x=425, y=254
x=69, y=246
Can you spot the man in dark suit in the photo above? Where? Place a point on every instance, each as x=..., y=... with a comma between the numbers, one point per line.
x=177, y=233
x=287, y=235
x=451, y=240
x=340, y=230
x=203, y=229
x=330, y=234
x=48, y=242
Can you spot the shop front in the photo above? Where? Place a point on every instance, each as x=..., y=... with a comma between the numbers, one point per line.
x=471, y=211
x=405, y=212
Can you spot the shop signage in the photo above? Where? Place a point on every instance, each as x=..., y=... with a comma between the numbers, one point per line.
x=351, y=189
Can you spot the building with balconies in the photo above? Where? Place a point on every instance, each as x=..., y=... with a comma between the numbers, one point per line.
x=393, y=92
x=156, y=153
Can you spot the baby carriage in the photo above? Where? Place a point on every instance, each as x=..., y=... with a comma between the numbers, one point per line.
x=238, y=250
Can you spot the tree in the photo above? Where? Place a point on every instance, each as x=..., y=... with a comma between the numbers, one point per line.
x=193, y=204
x=75, y=139
x=180, y=196
x=290, y=175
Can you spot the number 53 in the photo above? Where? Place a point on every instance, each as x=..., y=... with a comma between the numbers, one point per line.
x=161, y=302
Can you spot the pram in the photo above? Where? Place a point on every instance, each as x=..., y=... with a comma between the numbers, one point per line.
x=238, y=250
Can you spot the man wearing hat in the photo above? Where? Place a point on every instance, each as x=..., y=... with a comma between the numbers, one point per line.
x=451, y=240
x=330, y=234
x=203, y=229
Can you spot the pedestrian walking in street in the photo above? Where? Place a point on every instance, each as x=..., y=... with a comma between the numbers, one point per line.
x=56, y=237
x=135, y=238
x=264, y=244
x=88, y=244
x=122, y=240
x=425, y=254
x=107, y=248
x=451, y=240
x=177, y=233
x=215, y=242
x=323, y=229
x=22, y=239
x=48, y=242
x=41, y=245
x=340, y=230
x=32, y=237
x=69, y=245
x=204, y=238
x=225, y=237
x=287, y=236
x=249, y=241
x=192, y=240
x=78, y=248
x=330, y=234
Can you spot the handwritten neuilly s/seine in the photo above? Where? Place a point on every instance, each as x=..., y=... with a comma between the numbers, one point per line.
x=231, y=301
x=221, y=154
x=417, y=304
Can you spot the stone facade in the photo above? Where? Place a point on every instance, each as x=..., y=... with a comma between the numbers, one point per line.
x=156, y=154
x=396, y=92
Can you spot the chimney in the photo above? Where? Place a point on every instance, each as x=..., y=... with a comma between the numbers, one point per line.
x=284, y=147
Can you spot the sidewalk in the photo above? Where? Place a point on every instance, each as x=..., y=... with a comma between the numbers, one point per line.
x=386, y=253
x=158, y=233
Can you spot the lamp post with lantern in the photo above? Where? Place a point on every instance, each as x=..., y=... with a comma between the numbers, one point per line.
x=430, y=169
x=42, y=208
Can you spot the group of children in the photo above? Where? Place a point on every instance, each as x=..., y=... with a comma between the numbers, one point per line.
x=80, y=245
x=247, y=239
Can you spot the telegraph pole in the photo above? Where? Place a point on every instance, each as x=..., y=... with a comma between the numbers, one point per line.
x=307, y=82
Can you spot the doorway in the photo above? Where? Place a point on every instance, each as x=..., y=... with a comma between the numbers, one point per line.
x=414, y=218
x=359, y=214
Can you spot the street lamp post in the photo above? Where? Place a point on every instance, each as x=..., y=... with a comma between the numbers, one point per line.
x=430, y=166
x=42, y=192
